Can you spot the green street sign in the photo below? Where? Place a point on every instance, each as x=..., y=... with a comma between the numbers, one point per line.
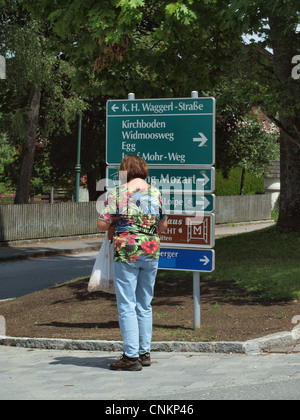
x=188, y=203
x=162, y=131
x=184, y=179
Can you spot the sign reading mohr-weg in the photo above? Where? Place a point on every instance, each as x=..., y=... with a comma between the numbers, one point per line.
x=162, y=131
x=176, y=138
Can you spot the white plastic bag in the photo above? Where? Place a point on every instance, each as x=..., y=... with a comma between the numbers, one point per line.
x=102, y=275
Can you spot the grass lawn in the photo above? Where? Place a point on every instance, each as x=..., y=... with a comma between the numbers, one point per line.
x=266, y=261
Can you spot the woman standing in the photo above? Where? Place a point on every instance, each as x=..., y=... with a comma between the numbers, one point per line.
x=135, y=209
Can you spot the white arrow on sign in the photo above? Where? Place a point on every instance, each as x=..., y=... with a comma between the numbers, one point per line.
x=204, y=203
x=205, y=179
x=205, y=260
x=115, y=108
x=202, y=140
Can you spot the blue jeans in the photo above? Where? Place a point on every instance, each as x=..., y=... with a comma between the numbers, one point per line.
x=134, y=285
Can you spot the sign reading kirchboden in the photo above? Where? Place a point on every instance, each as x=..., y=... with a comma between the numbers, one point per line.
x=176, y=138
x=162, y=131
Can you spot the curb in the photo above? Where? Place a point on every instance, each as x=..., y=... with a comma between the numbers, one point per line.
x=259, y=345
x=48, y=253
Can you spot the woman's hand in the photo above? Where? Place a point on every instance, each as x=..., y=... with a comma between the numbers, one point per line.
x=103, y=226
x=162, y=225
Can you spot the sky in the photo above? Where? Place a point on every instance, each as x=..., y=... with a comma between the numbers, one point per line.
x=248, y=37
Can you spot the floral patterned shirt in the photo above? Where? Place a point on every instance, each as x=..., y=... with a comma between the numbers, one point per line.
x=135, y=215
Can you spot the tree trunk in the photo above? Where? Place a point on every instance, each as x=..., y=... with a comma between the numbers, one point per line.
x=28, y=147
x=289, y=208
x=283, y=47
x=242, y=182
x=91, y=184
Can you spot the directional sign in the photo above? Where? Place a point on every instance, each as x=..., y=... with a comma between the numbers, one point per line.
x=162, y=131
x=187, y=259
x=177, y=179
x=188, y=203
x=189, y=232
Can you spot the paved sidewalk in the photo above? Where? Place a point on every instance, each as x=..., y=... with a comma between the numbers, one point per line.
x=35, y=249
x=69, y=375
x=34, y=374
x=56, y=246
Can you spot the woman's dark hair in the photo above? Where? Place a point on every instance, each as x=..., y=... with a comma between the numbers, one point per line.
x=134, y=167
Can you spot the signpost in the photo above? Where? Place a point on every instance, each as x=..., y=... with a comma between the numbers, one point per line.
x=189, y=232
x=188, y=203
x=162, y=131
x=176, y=178
x=187, y=259
x=180, y=194
x=176, y=138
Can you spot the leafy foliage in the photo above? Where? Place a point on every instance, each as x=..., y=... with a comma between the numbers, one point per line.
x=257, y=144
x=167, y=49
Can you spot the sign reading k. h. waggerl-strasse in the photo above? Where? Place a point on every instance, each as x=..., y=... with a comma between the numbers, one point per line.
x=162, y=131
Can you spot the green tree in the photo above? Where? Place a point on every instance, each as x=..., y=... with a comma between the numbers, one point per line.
x=256, y=146
x=170, y=48
x=269, y=62
x=36, y=97
x=7, y=154
x=27, y=56
x=155, y=49
x=174, y=46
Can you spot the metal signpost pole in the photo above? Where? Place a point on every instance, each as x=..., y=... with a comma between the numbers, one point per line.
x=196, y=278
x=78, y=166
x=196, y=299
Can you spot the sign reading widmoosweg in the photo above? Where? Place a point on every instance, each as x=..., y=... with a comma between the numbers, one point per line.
x=176, y=138
x=162, y=131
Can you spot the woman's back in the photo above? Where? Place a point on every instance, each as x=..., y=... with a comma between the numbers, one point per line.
x=135, y=209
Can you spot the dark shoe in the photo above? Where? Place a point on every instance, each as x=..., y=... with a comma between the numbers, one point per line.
x=145, y=359
x=125, y=364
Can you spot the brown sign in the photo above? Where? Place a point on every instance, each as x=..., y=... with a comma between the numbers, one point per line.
x=189, y=232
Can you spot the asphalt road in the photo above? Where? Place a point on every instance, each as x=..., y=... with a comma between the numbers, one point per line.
x=19, y=278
